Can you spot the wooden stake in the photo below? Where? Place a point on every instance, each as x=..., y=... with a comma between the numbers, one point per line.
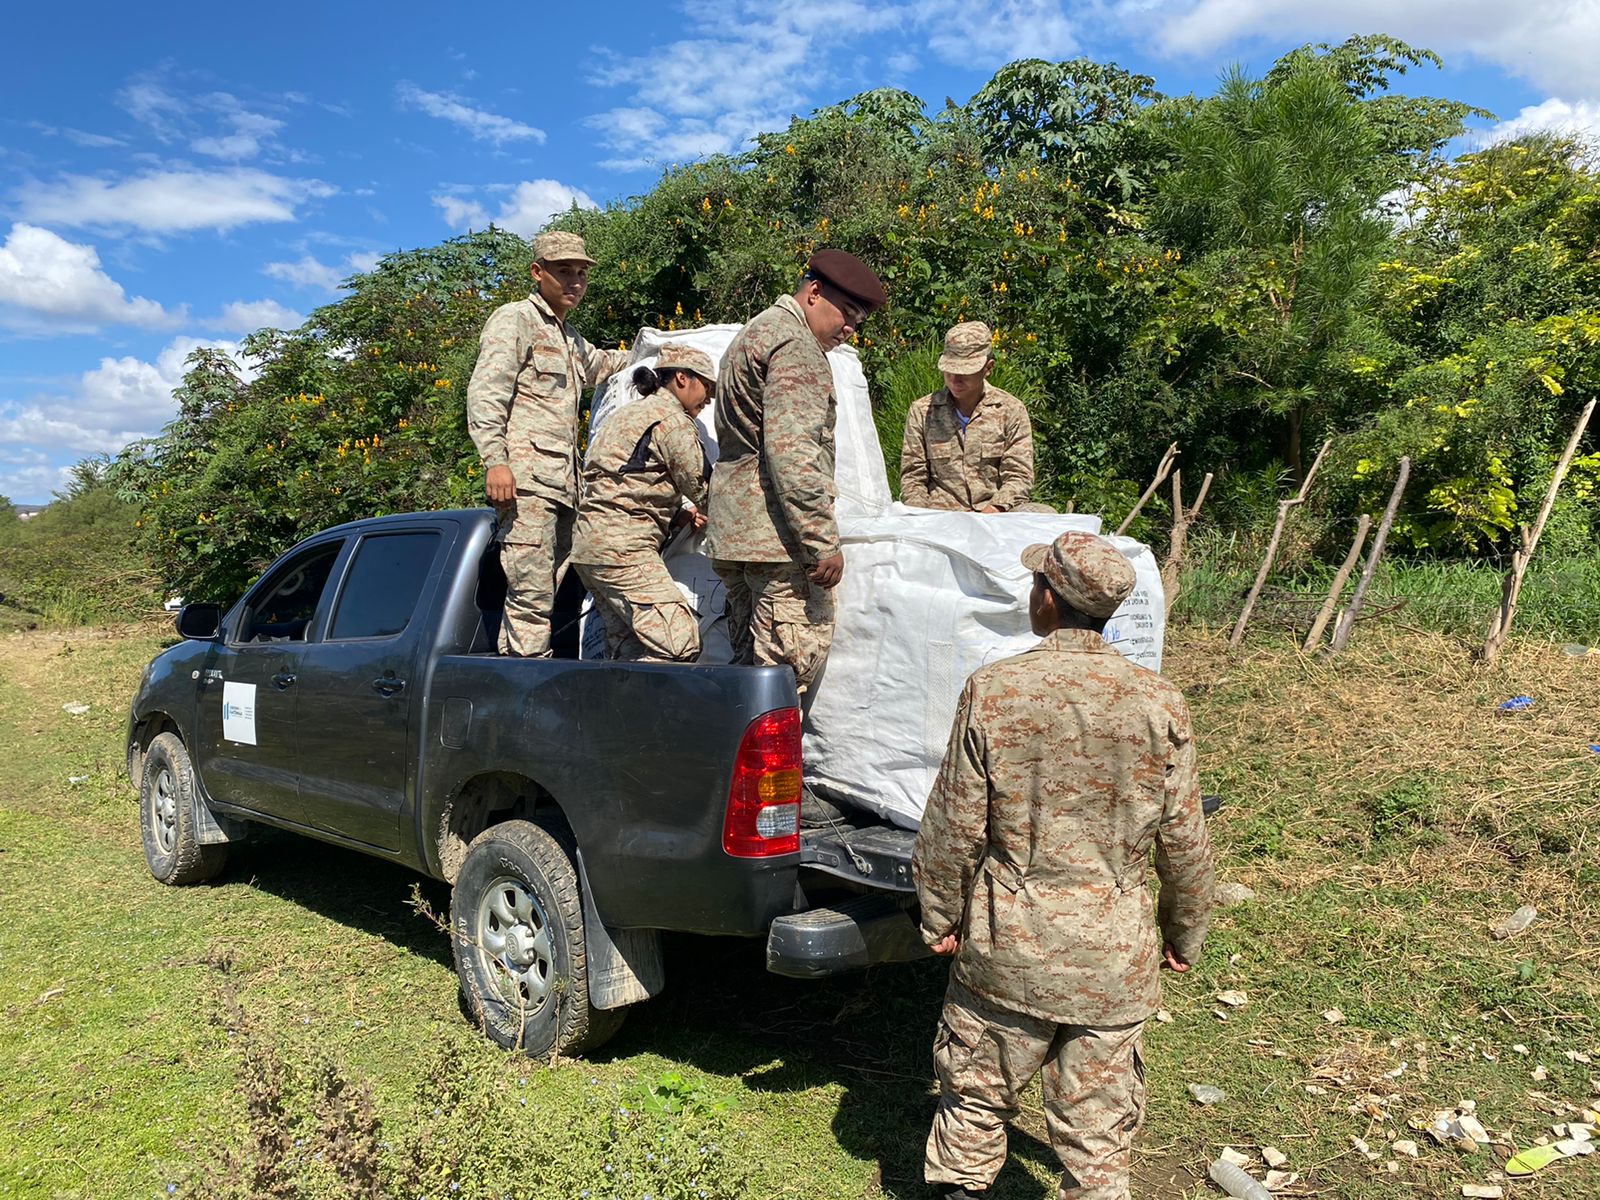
x=1162, y=472
x=1511, y=590
x=1284, y=507
x=1179, y=543
x=1339, y=580
x=1347, y=619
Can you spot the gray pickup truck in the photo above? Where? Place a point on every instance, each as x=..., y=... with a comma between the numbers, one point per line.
x=576, y=808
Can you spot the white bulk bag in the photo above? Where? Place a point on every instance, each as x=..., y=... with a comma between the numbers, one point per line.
x=927, y=597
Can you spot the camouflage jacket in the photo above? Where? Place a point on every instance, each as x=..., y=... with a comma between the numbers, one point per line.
x=772, y=488
x=990, y=463
x=643, y=463
x=522, y=402
x=1066, y=765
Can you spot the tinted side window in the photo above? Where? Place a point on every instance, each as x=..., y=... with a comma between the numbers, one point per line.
x=383, y=585
x=284, y=604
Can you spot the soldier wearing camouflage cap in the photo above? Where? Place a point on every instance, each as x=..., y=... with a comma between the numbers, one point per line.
x=646, y=475
x=522, y=413
x=968, y=446
x=1066, y=766
x=771, y=532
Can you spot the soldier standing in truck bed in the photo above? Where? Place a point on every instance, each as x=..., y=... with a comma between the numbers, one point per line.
x=772, y=536
x=522, y=413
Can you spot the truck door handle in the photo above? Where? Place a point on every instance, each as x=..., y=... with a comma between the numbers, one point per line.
x=283, y=679
x=388, y=685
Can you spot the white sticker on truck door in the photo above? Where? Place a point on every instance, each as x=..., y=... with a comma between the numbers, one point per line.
x=239, y=712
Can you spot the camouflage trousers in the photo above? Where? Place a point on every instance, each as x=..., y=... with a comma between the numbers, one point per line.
x=1093, y=1083
x=777, y=616
x=534, y=561
x=646, y=617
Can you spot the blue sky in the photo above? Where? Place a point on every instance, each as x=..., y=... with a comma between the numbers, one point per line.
x=177, y=182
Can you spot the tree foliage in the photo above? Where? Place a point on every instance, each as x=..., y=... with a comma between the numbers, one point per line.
x=1231, y=271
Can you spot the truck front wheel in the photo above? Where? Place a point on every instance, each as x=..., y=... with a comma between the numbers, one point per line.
x=516, y=921
x=172, y=849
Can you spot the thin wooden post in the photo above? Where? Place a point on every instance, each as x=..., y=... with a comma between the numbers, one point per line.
x=1325, y=614
x=1284, y=508
x=1511, y=590
x=1162, y=472
x=1178, y=545
x=1347, y=619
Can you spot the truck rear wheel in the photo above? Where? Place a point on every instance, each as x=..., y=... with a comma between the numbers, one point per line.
x=516, y=921
x=166, y=817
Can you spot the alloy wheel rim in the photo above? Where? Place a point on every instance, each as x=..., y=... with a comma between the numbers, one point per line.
x=515, y=944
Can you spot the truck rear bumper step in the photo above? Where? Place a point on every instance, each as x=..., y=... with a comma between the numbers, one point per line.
x=846, y=936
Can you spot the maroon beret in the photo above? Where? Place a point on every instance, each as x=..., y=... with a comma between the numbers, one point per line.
x=849, y=274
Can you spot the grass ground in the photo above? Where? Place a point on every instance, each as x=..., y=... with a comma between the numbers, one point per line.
x=1383, y=811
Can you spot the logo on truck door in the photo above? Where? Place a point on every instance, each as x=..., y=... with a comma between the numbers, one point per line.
x=239, y=712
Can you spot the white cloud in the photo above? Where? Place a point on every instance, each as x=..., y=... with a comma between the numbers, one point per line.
x=121, y=400
x=247, y=316
x=251, y=132
x=1553, y=44
x=483, y=125
x=527, y=210
x=746, y=68
x=1580, y=120
x=965, y=34
x=310, y=272
x=462, y=214
x=169, y=201
x=216, y=124
x=148, y=102
x=32, y=483
x=45, y=276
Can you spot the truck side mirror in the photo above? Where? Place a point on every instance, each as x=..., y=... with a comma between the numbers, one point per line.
x=203, y=622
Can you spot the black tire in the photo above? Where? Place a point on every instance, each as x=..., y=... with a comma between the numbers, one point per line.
x=516, y=922
x=166, y=817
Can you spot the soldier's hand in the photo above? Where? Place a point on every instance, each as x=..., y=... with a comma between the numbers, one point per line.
x=500, y=485
x=1172, y=959
x=828, y=572
x=988, y=508
x=948, y=945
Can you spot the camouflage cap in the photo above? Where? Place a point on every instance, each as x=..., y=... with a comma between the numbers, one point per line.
x=675, y=356
x=967, y=347
x=559, y=246
x=850, y=275
x=1087, y=572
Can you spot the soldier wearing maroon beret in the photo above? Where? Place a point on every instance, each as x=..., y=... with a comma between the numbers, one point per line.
x=1067, y=765
x=771, y=532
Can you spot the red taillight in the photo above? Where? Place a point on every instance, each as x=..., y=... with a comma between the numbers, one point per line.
x=764, y=801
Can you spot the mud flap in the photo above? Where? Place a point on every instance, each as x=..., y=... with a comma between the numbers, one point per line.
x=624, y=965
x=212, y=829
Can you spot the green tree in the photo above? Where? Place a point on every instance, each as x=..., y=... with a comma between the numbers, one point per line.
x=1273, y=202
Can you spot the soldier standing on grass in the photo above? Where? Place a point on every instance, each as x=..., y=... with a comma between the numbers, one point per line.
x=522, y=413
x=1066, y=765
x=772, y=536
x=968, y=446
x=646, y=474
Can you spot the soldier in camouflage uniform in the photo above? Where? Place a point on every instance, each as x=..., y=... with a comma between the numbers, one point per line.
x=968, y=446
x=772, y=536
x=646, y=473
x=522, y=413
x=1066, y=765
